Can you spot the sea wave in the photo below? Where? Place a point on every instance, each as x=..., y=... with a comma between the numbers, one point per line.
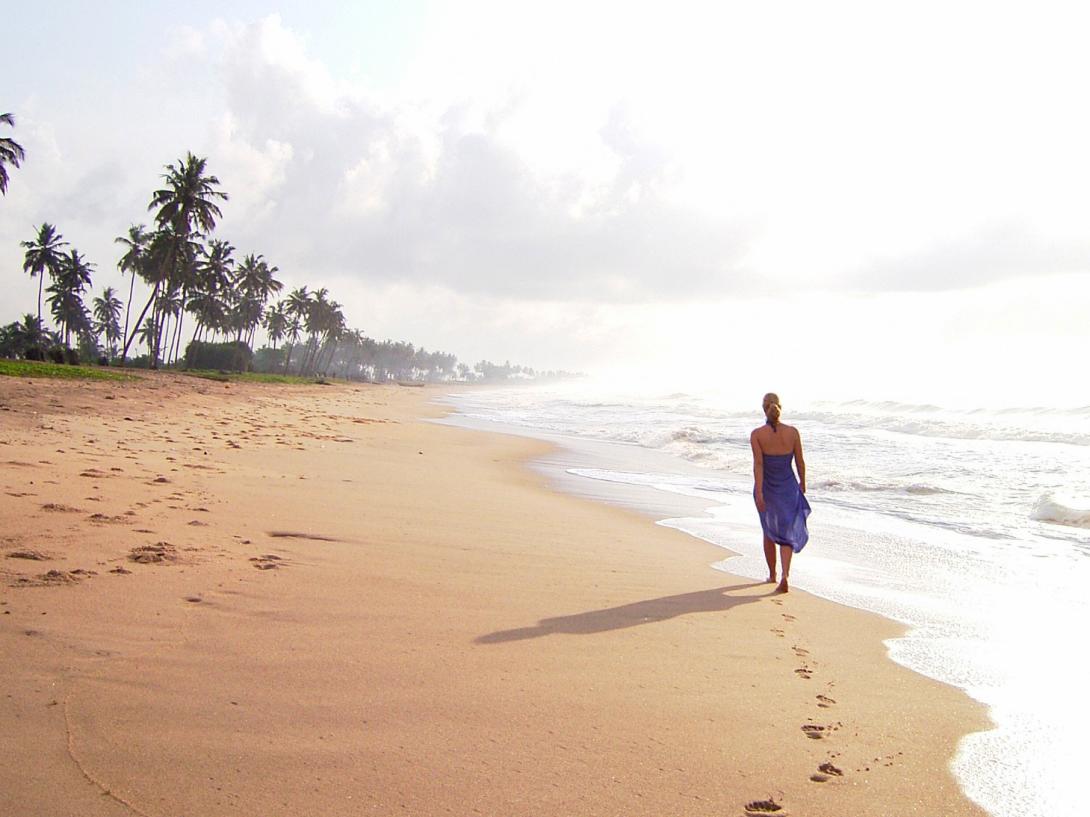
x=950, y=427
x=695, y=434
x=916, y=489
x=1052, y=510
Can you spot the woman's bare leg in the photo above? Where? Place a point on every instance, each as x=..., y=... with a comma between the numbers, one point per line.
x=770, y=559
x=786, y=552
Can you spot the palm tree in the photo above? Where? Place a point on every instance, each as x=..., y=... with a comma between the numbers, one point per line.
x=334, y=326
x=133, y=262
x=297, y=307
x=107, y=312
x=187, y=204
x=11, y=152
x=147, y=336
x=210, y=289
x=66, y=299
x=43, y=255
x=255, y=284
x=292, y=331
x=19, y=339
x=168, y=307
x=276, y=322
x=314, y=323
x=216, y=270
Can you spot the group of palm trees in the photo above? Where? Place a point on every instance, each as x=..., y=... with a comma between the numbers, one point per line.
x=189, y=272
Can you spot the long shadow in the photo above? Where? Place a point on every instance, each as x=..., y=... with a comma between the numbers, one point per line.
x=715, y=600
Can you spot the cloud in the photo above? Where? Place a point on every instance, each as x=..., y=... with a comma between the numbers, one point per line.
x=394, y=195
x=986, y=256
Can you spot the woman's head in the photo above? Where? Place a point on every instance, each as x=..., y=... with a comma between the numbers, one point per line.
x=771, y=406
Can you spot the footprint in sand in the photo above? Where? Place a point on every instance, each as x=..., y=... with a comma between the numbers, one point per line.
x=813, y=731
x=55, y=578
x=830, y=769
x=804, y=673
x=824, y=701
x=768, y=806
x=103, y=519
x=800, y=652
x=267, y=562
x=159, y=553
x=787, y=617
x=56, y=507
x=32, y=555
x=318, y=537
x=779, y=633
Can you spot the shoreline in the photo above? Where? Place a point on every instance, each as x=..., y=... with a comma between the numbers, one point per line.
x=565, y=467
x=430, y=626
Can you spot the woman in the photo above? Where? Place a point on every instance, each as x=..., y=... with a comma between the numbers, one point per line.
x=780, y=498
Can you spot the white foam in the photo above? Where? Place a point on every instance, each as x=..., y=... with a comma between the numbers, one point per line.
x=1051, y=509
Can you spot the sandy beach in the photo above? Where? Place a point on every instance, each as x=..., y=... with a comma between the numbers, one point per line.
x=244, y=599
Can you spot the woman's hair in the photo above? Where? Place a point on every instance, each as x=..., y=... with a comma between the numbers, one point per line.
x=771, y=405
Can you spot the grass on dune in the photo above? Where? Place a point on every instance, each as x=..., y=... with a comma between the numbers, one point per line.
x=251, y=377
x=34, y=368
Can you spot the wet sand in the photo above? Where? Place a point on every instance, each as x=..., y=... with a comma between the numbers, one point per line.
x=279, y=600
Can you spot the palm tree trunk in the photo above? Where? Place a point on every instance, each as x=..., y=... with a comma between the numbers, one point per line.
x=128, y=304
x=303, y=363
x=312, y=354
x=193, y=342
x=140, y=320
x=332, y=354
x=41, y=282
x=162, y=320
x=303, y=359
x=178, y=332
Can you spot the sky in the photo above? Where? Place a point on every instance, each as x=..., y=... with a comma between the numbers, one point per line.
x=836, y=200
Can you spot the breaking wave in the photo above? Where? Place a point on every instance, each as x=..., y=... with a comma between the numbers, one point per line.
x=1050, y=509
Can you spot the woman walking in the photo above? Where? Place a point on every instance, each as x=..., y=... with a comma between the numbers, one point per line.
x=780, y=497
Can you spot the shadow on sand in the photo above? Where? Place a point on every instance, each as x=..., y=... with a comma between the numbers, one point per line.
x=715, y=600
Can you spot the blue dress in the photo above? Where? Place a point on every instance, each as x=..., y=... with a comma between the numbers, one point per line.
x=786, y=508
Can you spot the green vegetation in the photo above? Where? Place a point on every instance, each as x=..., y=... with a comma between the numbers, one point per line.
x=252, y=377
x=33, y=368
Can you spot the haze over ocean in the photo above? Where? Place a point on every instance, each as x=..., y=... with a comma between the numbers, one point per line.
x=970, y=525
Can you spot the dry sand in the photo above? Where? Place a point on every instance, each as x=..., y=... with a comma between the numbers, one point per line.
x=273, y=600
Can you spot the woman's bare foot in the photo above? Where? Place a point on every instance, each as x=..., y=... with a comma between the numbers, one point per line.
x=770, y=580
x=782, y=586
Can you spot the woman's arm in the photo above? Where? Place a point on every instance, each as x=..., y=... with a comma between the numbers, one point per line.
x=800, y=463
x=758, y=472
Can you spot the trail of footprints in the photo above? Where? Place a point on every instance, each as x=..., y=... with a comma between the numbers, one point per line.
x=827, y=770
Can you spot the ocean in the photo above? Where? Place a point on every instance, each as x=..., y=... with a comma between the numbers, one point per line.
x=971, y=526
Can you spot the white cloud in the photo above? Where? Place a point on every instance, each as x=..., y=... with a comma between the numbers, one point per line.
x=262, y=172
